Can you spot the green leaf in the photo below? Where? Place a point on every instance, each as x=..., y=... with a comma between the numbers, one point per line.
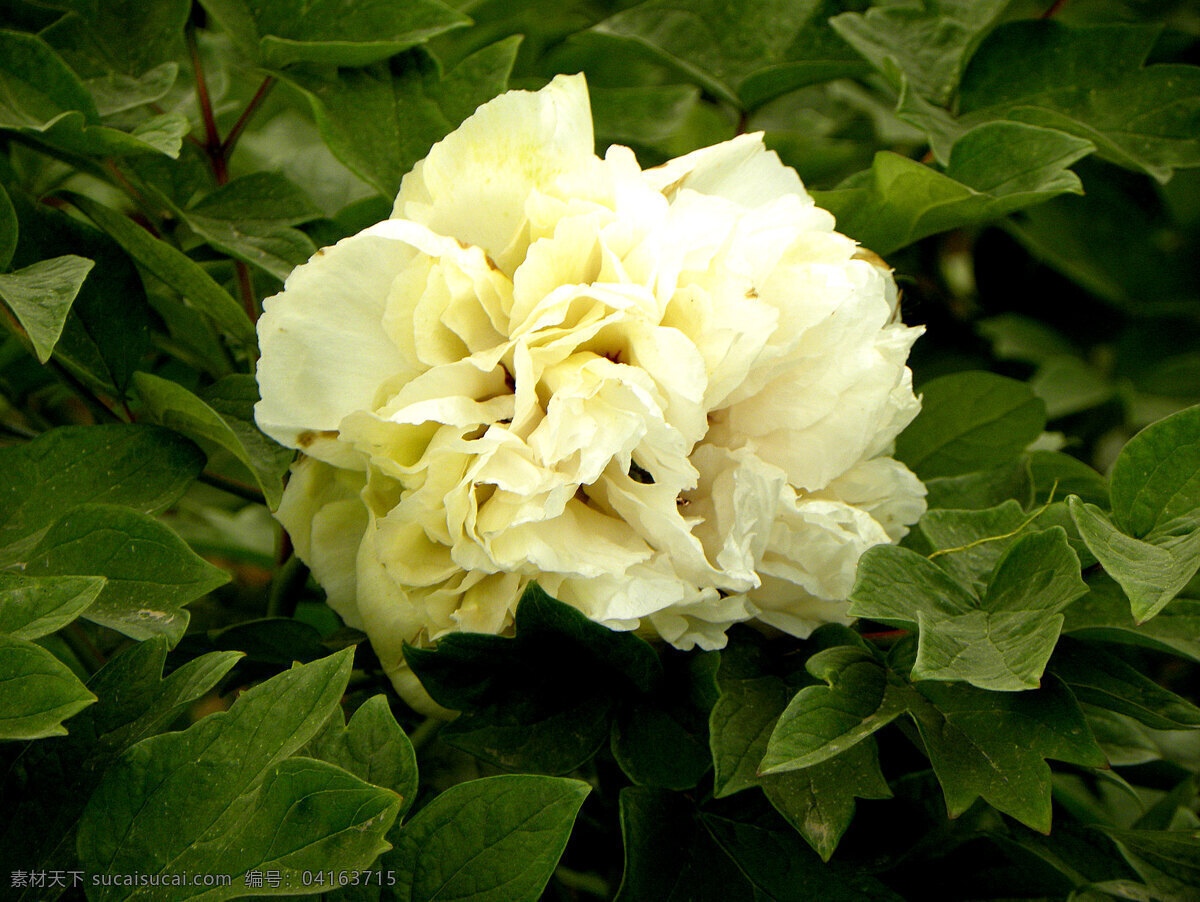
x=669, y=856
x=969, y=543
x=819, y=801
x=1142, y=118
x=372, y=747
x=59, y=775
x=272, y=640
x=224, y=796
x=1155, y=482
x=280, y=32
x=995, y=169
x=107, y=331
x=1098, y=677
x=41, y=296
x=492, y=840
x=151, y=573
x=655, y=748
x=142, y=467
x=44, y=99
x=993, y=745
x=8, y=230
x=780, y=868
x=37, y=691
x=222, y=419
x=746, y=54
x=32, y=607
x=1000, y=641
x=1174, y=853
x=1104, y=613
x=542, y=700
x=174, y=268
x=1053, y=470
x=250, y=217
x=740, y=725
x=1151, y=573
x=930, y=41
x=859, y=698
x=382, y=120
x=126, y=36
x=969, y=422
x=118, y=93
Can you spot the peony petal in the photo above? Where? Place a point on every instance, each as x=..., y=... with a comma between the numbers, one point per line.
x=475, y=182
x=741, y=170
x=325, y=352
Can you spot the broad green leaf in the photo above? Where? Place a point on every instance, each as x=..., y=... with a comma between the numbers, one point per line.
x=641, y=116
x=50, y=792
x=224, y=796
x=969, y=422
x=744, y=54
x=1151, y=573
x=1000, y=640
x=37, y=691
x=740, y=724
x=8, y=230
x=223, y=419
x=279, y=32
x=969, y=543
x=107, y=331
x=1155, y=482
x=1098, y=677
x=45, y=100
x=778, y=867
x=151, y=573
x=250, y=218
x=1014, y=336
x=543, y=700
x=669, y=856
x=142, y=467
x=1064, y=475
x=981, y=489
x=1069, y=385
x=381, y=120
x=819, y=801
x=372, y=747
x=655, y=748
x=32, y=607
x=1140, y=117
x=492, y=840
x=125, y=36
x=173, y=267
x=1104, y=613
x=272, y=640
x=1174, y=853
x=928, y=41
x=41, y=296
x=993, y=745
x=995, y=169
x=859, y=698
x=118, y=93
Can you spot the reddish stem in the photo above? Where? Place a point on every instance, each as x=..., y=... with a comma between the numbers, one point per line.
x=1054, y=8
x=238, y=127
x=212, y=145
x=246, y=287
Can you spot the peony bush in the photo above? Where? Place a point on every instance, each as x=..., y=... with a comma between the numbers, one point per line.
x=483, y=451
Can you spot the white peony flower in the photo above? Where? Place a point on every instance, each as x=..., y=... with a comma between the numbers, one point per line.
x=666, y=395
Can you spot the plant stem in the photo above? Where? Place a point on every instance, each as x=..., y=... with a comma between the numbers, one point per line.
x=238, y=127
x=237, y=489
x=246, y=290
x=1054, y=8
x=99, y=409
x=286, y=587
x=426, y=732
x=212, y=138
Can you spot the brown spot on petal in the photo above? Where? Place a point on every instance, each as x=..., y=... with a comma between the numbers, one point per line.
x=463, y=244
x=320, y=252
x=306, y=438
x=871, y=257
x=751, y=293
x=674, y=186
x=491, y=263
